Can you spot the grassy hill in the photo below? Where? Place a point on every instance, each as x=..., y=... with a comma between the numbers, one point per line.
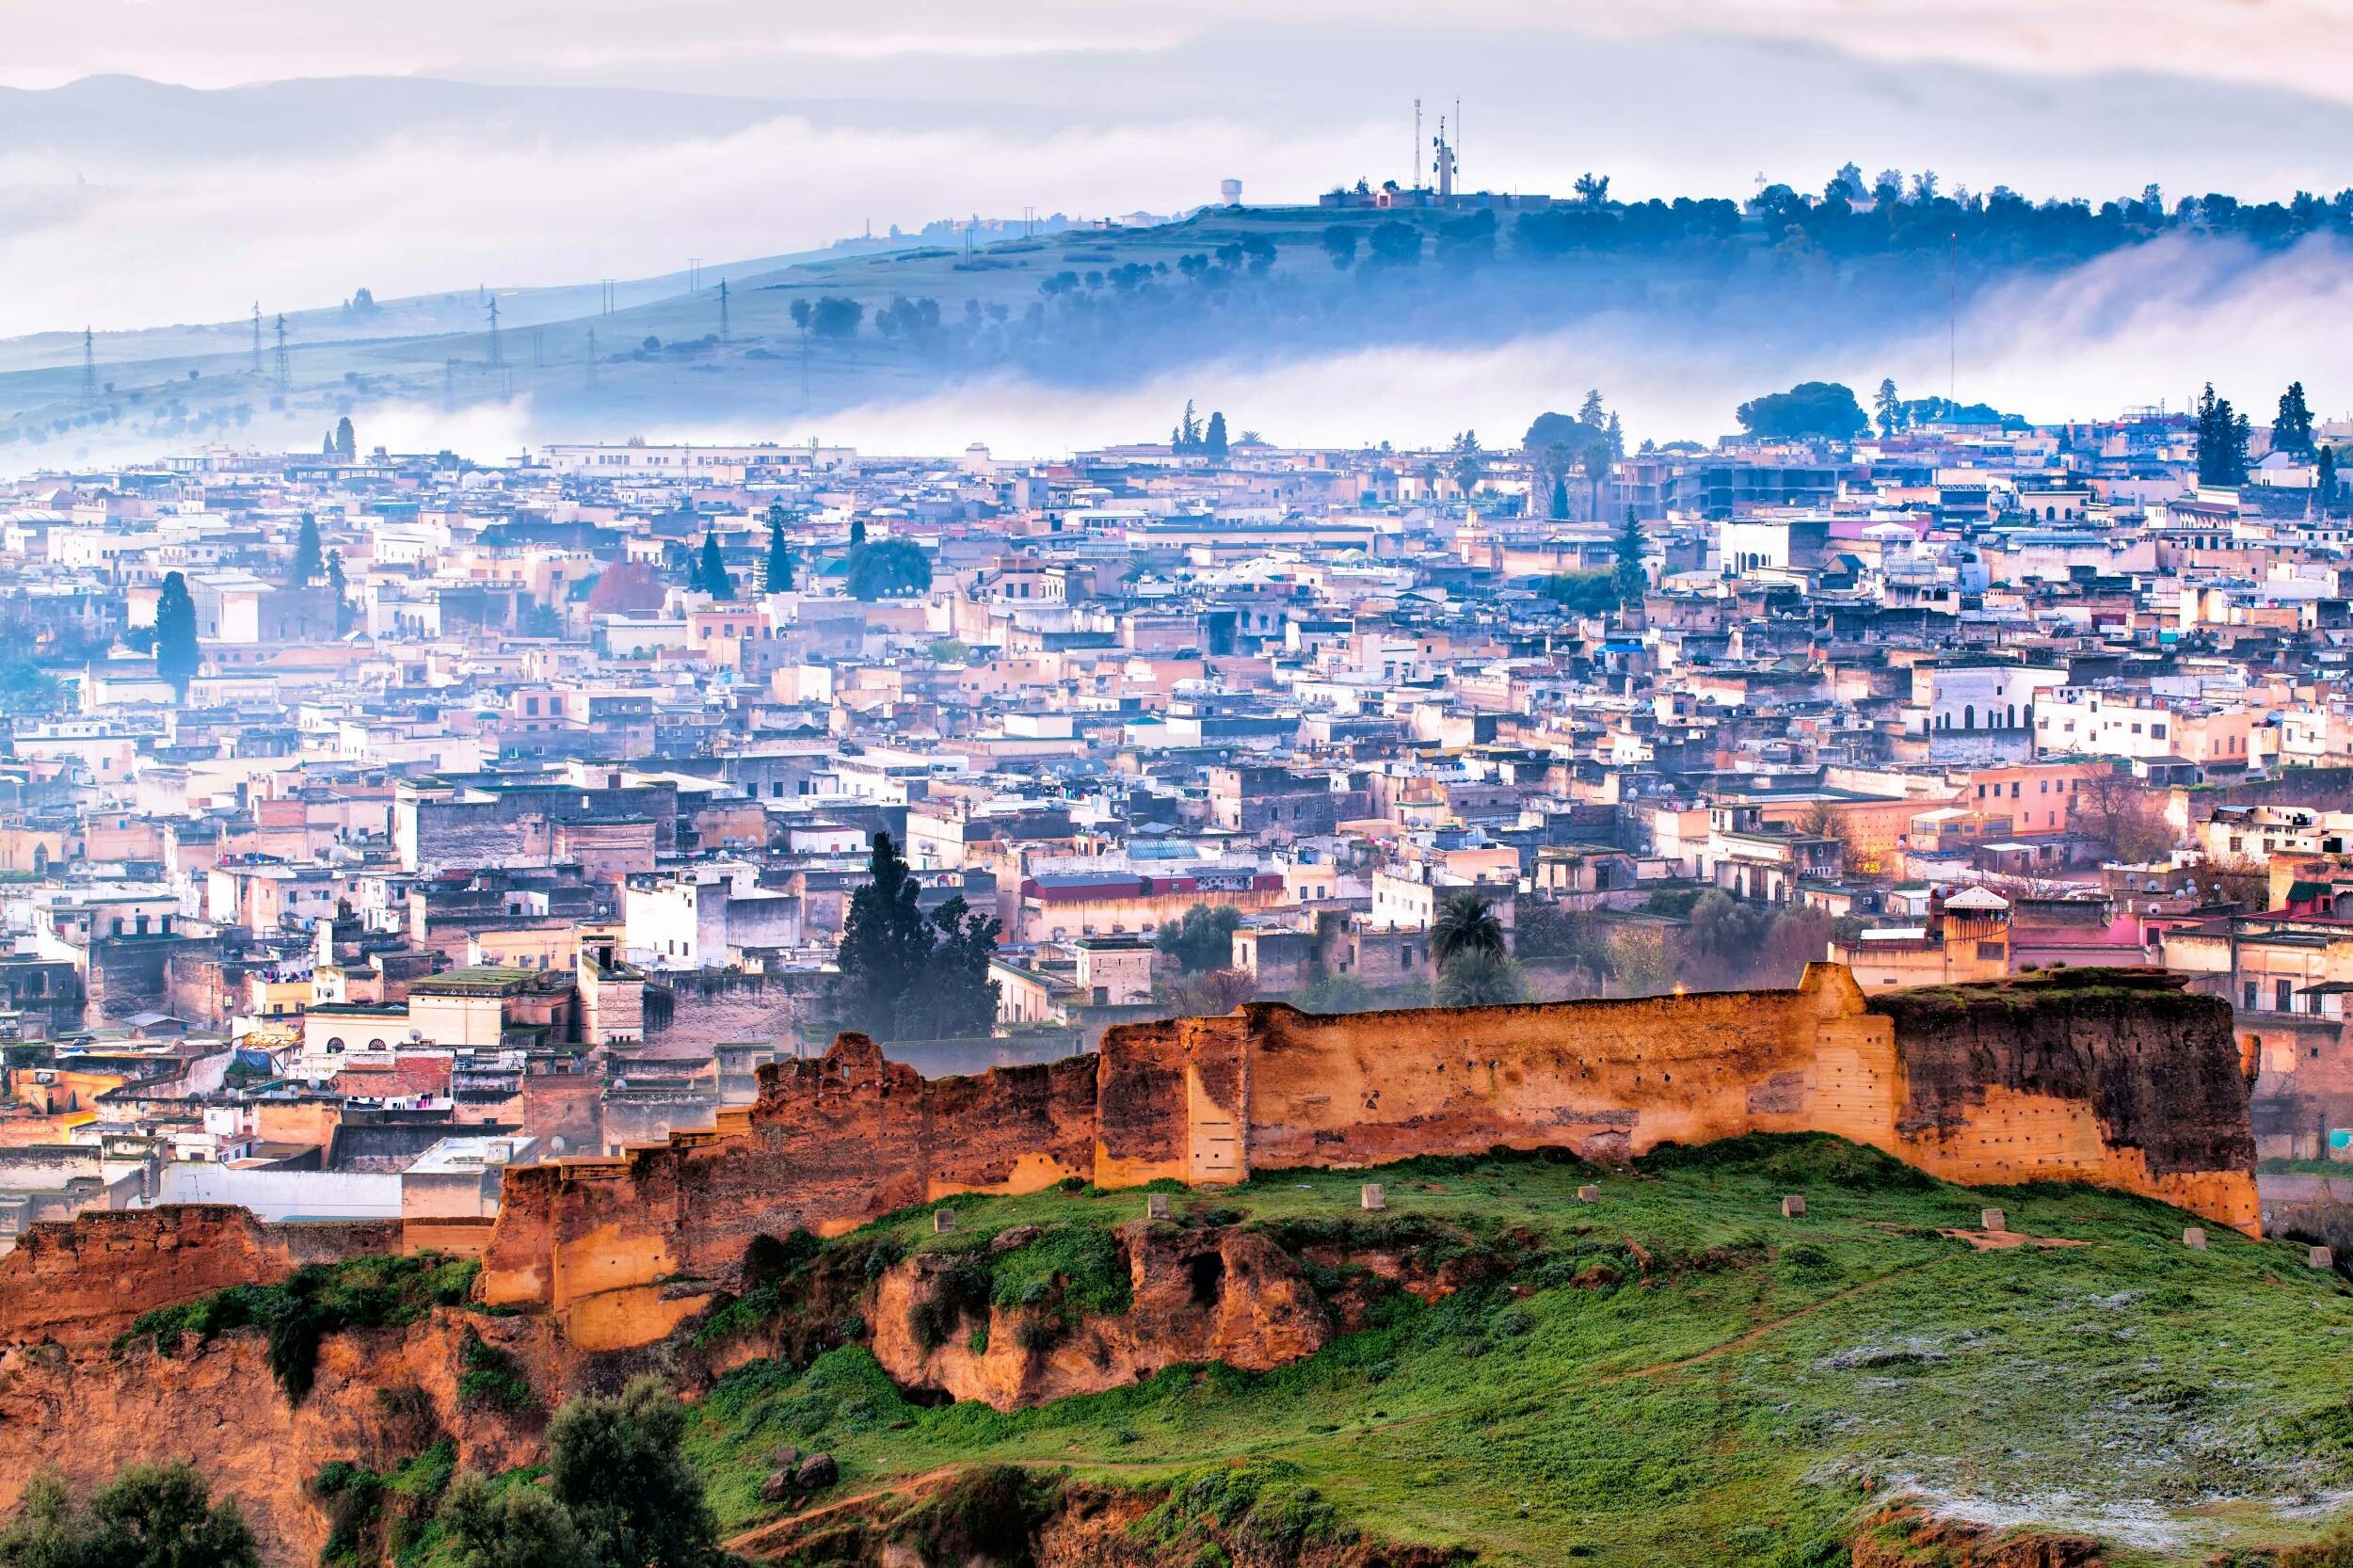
x=1676, y=1374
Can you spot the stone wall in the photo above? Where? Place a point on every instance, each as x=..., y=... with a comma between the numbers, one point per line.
x=2119, y=1077
x=625, y=1248
x=80, y=1284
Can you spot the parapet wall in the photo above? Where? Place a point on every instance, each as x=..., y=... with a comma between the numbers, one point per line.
x=2118, y=1078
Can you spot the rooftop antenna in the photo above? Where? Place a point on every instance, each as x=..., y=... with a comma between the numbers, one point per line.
x=89, y=367
x=257, y=339
x=498, y=359
x=285, y=362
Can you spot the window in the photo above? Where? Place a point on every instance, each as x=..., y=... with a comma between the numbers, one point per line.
x=2250, y=1004
x=2283, y=997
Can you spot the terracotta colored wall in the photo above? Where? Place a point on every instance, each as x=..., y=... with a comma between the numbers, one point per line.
x=2131, y=1083
x=82, y=1283
x=624, y=1248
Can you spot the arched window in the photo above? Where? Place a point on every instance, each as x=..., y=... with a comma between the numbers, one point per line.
x=1968, y=716
x=334, y=1042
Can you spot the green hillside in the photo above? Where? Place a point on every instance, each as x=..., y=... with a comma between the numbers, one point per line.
x=1677, y=1374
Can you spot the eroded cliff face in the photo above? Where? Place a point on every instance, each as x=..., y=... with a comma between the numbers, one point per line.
x=1221, y=1294
x=380, y=1397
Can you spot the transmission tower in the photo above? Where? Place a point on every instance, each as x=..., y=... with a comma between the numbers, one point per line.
x=285, y=362
x=592, y=356
x=723, y=311
x=257, y=339
x=497, y=358
x=90, y=368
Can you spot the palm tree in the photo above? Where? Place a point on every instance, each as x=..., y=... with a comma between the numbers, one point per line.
x=1465, y=925
x=1478, y=977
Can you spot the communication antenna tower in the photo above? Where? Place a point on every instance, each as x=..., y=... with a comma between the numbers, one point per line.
x=285, y=362
x=723, y=311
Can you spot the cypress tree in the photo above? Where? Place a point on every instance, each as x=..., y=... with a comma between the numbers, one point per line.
x=177, y=654
x=779, y=565
x=711, y=573
x=306, y=563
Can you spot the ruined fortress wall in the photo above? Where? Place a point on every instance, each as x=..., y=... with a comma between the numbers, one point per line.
x=80, y=1282
x=622, y=1245
x=2124, y=1079
x=1608, y=1079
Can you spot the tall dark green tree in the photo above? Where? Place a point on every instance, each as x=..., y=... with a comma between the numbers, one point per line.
x=1214, y=441
x=1631, y=580
x=1889, y=407
x=306, y=563
x=902, y=974
x=346, y=440
x=2326, y=479
x=1559, y=510
x=2292, y=431
x=779, y=562
x=711, y=570
x=177, y=655
x=858, y=532
x=2222, y=435
x=340, y=590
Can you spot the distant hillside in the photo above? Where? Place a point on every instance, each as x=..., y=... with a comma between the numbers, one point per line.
x=1761, y=296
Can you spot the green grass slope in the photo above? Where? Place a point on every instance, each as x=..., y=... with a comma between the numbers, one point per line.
x=1678, y=1375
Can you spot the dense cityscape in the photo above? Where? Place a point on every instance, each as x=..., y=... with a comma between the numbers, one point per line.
x=1559, y=857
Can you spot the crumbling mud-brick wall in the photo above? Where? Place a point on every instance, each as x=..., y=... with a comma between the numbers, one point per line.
x=2120, y=1077
x=2115, y=1078
x=624, y=1248
x=80, y=1282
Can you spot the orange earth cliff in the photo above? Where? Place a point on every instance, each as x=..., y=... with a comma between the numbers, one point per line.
x=2114, y=1076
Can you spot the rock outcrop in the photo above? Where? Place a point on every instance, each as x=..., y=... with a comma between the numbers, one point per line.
x=1221, y=1294
x=380, y=1397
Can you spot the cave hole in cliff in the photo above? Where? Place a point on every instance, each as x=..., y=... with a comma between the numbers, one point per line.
x=926, y=1396
x=1207, y=1275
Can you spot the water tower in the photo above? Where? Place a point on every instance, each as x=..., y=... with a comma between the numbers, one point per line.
x=1230, y=193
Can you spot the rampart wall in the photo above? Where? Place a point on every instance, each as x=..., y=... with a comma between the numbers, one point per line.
x=2113, y=1077
x=80, y=1282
